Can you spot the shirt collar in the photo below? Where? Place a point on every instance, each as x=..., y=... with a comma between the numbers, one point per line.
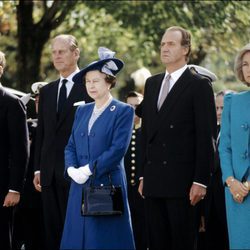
x=70, y=77
x=176, y=74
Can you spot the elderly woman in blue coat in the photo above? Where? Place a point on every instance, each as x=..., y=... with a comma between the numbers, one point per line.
x=234, y=152
x=100, y=136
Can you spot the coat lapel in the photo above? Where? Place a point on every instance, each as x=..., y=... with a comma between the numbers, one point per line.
x=173, y=96
x=53, y=101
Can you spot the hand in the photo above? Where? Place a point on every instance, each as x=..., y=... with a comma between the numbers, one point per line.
x=237, y=189
x=196, y=194
x=85, y=169
x=77, y=175
x=37, y=183
x=140, y=188
x=11, y=199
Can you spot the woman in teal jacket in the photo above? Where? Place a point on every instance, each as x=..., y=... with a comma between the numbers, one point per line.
x=234, y=152
x=100, y=137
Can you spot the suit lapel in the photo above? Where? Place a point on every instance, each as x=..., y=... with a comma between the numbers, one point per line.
x=53, y=101
x=173, y=96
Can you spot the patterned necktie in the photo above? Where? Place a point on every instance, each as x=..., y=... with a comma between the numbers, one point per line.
x=164, y=92
x=62, y=96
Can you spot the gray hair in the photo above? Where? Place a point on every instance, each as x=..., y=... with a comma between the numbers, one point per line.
x=69, y=38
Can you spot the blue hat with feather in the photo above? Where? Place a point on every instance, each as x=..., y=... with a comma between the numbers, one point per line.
x=106, y=64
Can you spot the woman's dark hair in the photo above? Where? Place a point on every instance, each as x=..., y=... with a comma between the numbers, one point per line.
x=111, y=80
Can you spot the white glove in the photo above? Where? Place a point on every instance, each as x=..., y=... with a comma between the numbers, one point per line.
x=85, y=169
x=79, y=175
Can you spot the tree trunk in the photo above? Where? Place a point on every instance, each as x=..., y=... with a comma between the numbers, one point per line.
x=30, y=46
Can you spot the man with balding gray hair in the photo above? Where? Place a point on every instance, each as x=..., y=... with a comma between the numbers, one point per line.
x=55, y=118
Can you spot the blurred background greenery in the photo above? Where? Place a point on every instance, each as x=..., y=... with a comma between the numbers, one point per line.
x=131, y=28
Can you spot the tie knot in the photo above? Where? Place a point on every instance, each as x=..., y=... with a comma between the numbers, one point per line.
x=167, y=78
x=64, y=81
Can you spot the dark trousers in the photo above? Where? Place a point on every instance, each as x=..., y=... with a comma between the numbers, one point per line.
x=6, y=215
x=54, y=199
x=215, y=215
x=172, y=224
x=28, y=229
x=137, y=209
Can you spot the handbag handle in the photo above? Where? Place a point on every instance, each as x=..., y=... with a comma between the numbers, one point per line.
x=93, y=177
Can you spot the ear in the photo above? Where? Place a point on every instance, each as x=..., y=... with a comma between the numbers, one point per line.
x=185, y=50
x=77, y=53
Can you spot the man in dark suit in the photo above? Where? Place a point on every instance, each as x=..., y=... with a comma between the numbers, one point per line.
x=55, y=118
x=13, y=157
x=178, y=128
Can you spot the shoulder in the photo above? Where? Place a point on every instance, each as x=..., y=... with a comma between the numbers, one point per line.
x=238, y=97
x=48, y=86
x=84, y=107
x=8, y=97
x=11, y=102
x=120, y=105
x=156, y=77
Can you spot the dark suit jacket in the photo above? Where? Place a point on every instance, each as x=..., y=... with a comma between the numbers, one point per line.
x=177, y=141
x=13, y=142
x=52, y=133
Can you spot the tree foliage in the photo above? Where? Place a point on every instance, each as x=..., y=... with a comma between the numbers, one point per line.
x=132, y=28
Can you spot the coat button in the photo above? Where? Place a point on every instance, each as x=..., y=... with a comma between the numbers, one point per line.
x=244, y=155
x=245, y=126
x=164, y=163
x=163, y=144
x=82, y=134
x=149, y=162
x=171, y=126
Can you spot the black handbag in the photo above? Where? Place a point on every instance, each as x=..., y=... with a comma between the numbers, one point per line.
x=102, y=200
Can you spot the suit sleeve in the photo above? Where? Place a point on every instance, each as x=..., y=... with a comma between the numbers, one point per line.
x=18, y=140
x=205, y=131
x=39, y=132
x=143, y=141
x=70, y=154
x=225, y=149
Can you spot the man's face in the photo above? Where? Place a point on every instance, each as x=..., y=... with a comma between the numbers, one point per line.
x=172, y=52
x=134, y=102
x=64, y=59
x=219, y=107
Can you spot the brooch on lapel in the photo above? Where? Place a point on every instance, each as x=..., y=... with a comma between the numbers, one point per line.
x=112, y=108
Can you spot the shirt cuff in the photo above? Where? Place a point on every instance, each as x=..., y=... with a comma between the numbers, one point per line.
x=37, y=172
x=199, y=184
x=141, y=178
x=13, y=191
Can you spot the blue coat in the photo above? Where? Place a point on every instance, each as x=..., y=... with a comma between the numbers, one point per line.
x=234, y=152
x=106, y=145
